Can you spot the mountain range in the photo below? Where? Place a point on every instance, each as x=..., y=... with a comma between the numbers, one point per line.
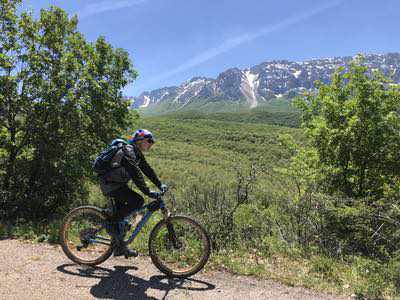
x=261, y=83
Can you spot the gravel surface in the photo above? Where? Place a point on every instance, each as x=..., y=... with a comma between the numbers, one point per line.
x=42, y=271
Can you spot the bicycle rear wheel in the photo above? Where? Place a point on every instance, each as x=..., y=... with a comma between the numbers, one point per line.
x=179, y=246
x=84, y=238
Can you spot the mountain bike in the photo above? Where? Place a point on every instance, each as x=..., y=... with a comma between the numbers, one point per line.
x=178, y=245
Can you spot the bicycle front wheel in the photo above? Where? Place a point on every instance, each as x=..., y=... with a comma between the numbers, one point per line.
x=179, y=246
x=84, y=237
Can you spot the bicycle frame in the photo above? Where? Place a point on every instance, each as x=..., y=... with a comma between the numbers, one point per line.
x=140, y=225
x=145, y=218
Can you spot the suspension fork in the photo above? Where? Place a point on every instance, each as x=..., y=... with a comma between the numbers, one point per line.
x=171, y=231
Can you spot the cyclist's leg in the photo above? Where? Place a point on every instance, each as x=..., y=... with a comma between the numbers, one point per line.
x=125, y=201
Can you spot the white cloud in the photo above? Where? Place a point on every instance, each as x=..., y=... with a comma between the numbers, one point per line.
x=104, y=6
x=229, y=44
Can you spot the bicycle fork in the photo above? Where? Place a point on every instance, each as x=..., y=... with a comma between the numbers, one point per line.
x=171, y=231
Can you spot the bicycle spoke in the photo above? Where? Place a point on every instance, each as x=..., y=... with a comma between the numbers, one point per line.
x=180, y=247
x=85, y=237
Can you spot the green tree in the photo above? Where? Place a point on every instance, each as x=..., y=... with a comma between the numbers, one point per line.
x=60, y=101
x=354, y=125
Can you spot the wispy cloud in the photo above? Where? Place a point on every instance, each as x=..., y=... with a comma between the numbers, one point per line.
x=231, y=43
x=103, y=6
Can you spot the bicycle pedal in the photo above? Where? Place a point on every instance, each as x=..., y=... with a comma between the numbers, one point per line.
x=80, y=247
x=131, y=253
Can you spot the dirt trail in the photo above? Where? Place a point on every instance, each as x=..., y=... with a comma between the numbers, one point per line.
x=42, y=271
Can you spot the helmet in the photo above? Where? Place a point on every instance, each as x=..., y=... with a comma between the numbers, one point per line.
x=142, y=134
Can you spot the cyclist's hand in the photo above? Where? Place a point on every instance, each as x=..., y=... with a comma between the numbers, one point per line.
x=154, y=195
x=163, y=188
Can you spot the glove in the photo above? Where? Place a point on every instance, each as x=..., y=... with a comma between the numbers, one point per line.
x=155, y=195
x=163, y=188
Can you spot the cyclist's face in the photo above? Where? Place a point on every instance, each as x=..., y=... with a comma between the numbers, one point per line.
x=145, y=145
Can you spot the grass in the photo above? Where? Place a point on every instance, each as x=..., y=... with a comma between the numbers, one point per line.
x=275, y=112
x=316, y=272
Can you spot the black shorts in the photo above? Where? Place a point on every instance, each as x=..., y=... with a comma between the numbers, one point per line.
x=125, y=201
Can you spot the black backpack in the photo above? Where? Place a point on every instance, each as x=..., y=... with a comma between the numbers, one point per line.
x=103, y=162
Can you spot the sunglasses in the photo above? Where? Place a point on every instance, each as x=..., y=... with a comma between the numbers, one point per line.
x=150, y=141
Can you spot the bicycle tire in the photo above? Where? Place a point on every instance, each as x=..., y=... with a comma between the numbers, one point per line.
x=156, y=257
x=64, y=236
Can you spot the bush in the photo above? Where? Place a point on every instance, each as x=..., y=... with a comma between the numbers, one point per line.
x=215, y=205
x=252, y=224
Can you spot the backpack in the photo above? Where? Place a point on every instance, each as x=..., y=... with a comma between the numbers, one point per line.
x=104, y=161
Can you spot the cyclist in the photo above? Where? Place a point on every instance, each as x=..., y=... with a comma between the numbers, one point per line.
x=114, y=184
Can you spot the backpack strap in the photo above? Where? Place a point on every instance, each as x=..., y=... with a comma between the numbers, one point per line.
x=116, y=160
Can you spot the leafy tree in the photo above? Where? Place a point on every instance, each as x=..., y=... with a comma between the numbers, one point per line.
x=354, y=125
x=60, y=101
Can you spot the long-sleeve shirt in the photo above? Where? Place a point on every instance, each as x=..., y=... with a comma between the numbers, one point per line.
x=132, y=166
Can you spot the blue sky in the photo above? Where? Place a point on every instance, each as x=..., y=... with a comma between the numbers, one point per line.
x=171, y=41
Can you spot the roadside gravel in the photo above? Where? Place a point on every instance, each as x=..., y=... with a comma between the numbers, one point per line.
x=42, y=271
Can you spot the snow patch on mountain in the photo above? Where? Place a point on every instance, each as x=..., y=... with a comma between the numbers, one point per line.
x=297, y=73
x=249, y=87
x=197, y=81
x=146, y=102
x=176, y=99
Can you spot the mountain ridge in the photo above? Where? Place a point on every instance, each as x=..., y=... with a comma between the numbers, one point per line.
x=261, y=83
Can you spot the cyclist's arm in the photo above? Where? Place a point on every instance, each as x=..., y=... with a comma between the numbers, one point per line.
x=136, y=175
x=149, y=172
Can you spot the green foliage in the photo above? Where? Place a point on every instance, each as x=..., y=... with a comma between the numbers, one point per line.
x=252, y=224
x=39, y=231
x=283, y=228
x=372, y=278
x=210, y=164
x=353, y=124
x=353, y=127
x=274, y=112
x=324, y=267
x=60, y=101
x=215, y=205
x=229, y=142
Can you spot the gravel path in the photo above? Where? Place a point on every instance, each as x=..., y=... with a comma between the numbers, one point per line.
x=42, y=271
